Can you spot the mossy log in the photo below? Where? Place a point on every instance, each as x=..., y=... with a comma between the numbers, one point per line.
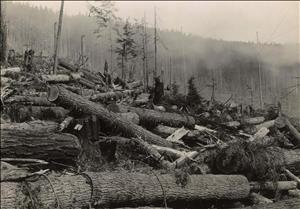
x=119, y=189
x=153, y=117
x=34, y=142
x=67, y=99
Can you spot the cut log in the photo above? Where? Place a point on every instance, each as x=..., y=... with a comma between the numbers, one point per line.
x=267, y=124
x=67, y=65
x=253, y=121
x=130, y=116
x=115, y=95
x=25, y=113
x=33, y=143
x=292, y=176
x=280, y=185
x=29, y=100
x=54, y=191
x=122, y=189
x=294, y=193
x=62, y=78
x=283, y=204
x=39, y=125
x=7, y=71
x=261, y=133
x=177, y=135
x=119, y=189
x=152, y=117
x=65, y=98
x=87, y=83
x=134, y=84
x=292, y=160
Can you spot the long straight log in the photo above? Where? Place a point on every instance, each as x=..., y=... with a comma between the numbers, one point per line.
x=23, y=113
x=60, y=78
x=39, y=125
x=293, y=203
x=119, y=189
x=65, y=98
x=33, y=143
x=122, y=189
x=115, y=95
x=29, y=100
x=293, y=131
x=154, y=117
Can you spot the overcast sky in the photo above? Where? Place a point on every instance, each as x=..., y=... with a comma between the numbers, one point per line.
x=276, y=21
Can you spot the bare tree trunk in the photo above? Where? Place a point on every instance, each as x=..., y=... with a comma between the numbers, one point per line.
x=57, y=42
x=283, y=204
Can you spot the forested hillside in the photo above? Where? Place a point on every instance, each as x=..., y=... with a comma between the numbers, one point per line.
x=233, y=65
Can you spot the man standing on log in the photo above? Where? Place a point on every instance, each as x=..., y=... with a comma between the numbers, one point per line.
x=158, y=91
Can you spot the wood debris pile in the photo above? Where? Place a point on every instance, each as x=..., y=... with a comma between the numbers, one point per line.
x=80, y=139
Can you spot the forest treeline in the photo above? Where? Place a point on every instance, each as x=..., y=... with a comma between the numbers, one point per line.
x=232, y=66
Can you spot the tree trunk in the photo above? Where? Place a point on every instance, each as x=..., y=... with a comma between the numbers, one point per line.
x=152, y=117
x=61, y=78
x=253, y=121
x=40, y=125
x=65, y=191
x=29, y=100
x=12, y=70
x=20, y=113
x=115, y=95
x=123, y=189
x=134, y=84
x=33, y=143
x=61, y=96
x=283, y=204
x=292, y=160
x=118, y=189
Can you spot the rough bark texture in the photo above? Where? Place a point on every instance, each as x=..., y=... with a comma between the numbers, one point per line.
x=21, y=113
x=65, y=191
x=292, y=160
x=293, y=203
x=33, y=143
x=29, y=100
x=118, y=190
x=65, y=98
x=115, y=95
x=39, y=125
x=122, y=189
x=152, y=117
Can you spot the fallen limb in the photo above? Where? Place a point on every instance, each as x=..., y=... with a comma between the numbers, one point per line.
x=65, y=98
x=7, y=71
x=61, y=78
x=153, y=117
x=38, y=125
x=259, y=199
x=293, y=131
x=254, y=121
x=269, y=185
x=292, y=176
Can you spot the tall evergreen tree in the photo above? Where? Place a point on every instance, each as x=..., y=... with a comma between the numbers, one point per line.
x=193, y=98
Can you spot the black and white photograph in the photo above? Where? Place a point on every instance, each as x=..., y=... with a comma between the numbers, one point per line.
x=150, y=104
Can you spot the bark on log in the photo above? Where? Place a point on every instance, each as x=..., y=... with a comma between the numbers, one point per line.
x=130, y=116
x=115, y=95
x=67, y=65
x=25, y=113
x=33, y=143
x=119, y=189
x=293, y=203
x=152, y=117
x=253, y=121
x=61, y=96
x=280, y=185
x=259, y=199
x=134, y=84
x=293, y=131
x=64, y=191
x=87, y=83
x=292, y=160
x=29, y=100
x=40, y=125
x=62, y=78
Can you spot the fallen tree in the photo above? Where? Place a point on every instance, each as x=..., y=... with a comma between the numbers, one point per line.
x=61, y=78
x=65, y=98
x=118, y=189
x=114, y=95
x=31, y=142
x=153, y=117
x=30, y=100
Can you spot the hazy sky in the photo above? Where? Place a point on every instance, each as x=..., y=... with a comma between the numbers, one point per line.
x=276, y=21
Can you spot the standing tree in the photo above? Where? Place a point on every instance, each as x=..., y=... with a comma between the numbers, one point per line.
x=126, y=48
x=193, y=98
x=3, y=34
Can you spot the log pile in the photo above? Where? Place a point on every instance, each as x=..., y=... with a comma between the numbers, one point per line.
x=75, y=140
